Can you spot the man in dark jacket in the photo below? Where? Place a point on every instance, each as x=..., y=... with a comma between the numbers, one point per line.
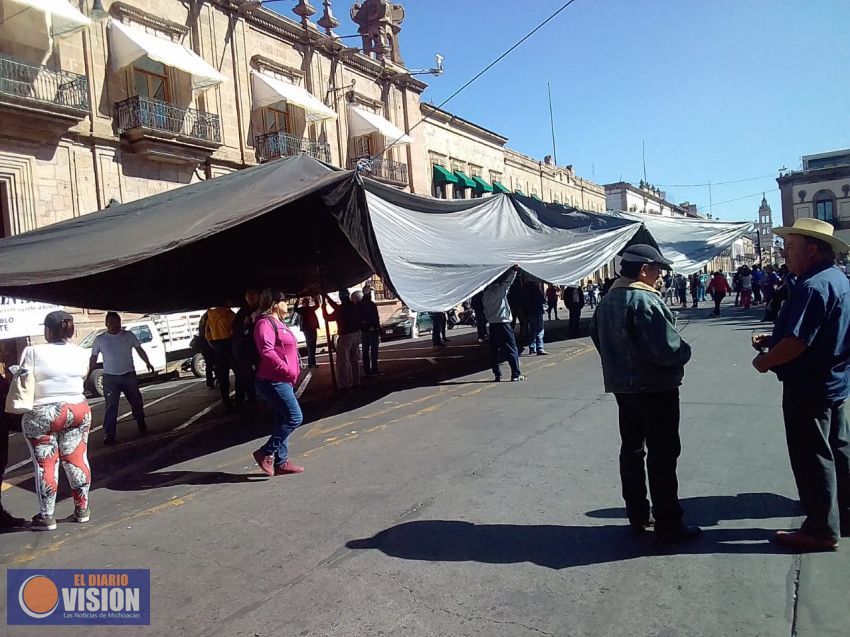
x=245, y=357
x=643, y=363
x=480, y=317
x=306, y=309
x=574, y=300
x=535, y=306
x=370, y=333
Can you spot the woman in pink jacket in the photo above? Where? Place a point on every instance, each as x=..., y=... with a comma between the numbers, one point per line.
x=277, y=372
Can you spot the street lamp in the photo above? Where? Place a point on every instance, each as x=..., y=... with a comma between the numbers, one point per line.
x=98, y=13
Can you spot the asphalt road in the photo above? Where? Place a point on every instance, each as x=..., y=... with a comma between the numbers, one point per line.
x=436, y=502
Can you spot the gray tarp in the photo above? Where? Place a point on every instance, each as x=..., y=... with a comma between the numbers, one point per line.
x=304, y=227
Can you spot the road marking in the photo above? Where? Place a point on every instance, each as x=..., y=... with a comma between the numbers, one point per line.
x=303, y=385
x=23, y=463
x=196, y=417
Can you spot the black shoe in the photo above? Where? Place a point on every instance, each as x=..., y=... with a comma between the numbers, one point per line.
x=108, y=441
x=43, y=522
x=497, y=379
x=845, y=529
x=143, y=430
x=643, y=526
x=677, y=534
x=9, y=522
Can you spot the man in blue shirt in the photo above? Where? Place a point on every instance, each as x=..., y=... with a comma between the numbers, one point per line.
x=809, y=351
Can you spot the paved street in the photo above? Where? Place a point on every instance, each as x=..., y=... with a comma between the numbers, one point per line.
x=440, y=503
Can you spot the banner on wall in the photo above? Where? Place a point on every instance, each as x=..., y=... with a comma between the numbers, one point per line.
x=23, y=318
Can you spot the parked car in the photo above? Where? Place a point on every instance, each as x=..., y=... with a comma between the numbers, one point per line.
x=405, y=323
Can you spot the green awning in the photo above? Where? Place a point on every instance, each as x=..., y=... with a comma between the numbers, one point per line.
x=481, y=185
x=520, y=192
x=533, y=196
x=498, y=187
x=464, y=179
x=443, y=176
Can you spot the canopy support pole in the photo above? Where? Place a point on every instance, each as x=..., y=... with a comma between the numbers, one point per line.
x=328, y=339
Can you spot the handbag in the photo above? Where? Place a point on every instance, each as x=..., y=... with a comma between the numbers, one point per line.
x=21, y=394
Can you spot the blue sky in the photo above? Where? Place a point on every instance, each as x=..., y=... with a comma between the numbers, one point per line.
x=720, y=90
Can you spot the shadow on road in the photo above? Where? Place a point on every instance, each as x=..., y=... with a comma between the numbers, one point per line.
x=710, y=510
x=551, y=546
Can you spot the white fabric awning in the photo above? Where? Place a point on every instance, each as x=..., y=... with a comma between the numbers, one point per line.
x=60, y=17
x=36, y=22
x=268, y=91
x=128, y=44
x=363, y=122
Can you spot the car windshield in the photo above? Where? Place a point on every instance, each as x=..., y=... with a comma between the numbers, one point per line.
x=89, y=340
x=402, y=313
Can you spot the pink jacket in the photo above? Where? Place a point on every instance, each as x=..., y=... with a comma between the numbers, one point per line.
x=278, y=350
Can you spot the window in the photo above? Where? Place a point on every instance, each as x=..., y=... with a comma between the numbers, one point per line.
x=275, y=121
x=459, y=191
x=825, y=206
x=440, y=191
x=143, y=333
x=150, y=79
x=363, y=146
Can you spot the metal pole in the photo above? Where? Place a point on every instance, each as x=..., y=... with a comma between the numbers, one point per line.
x=552, y=122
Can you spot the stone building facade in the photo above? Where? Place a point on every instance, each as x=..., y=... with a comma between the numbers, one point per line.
x=645, y=199
x=821, y=190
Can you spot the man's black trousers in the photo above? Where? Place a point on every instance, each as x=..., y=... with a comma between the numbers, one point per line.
x=649, y=434
x=819, y=448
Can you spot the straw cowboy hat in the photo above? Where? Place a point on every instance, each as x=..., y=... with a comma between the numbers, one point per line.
x=816, y=229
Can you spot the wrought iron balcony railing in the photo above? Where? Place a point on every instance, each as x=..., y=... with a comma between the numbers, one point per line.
x=41, y=84
x=145, y=112
x=385, y=169
x=276, y=145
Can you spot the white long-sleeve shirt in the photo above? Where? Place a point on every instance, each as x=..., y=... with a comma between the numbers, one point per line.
x=60, y=370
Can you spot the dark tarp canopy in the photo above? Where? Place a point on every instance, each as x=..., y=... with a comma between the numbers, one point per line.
x=200, y=245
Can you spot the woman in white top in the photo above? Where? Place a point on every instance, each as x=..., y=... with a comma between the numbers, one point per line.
x=57, y=428
x=746, y=287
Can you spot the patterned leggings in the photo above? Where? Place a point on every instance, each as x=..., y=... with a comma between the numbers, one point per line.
x=55, y=432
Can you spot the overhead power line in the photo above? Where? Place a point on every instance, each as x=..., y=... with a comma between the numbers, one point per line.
x=717, y=183
x=483, y=71
x=755, y=194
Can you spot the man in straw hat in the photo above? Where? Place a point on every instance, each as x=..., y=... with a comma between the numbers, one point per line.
x=809, y=351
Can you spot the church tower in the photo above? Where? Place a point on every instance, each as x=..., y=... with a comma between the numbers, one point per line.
x=765, y=232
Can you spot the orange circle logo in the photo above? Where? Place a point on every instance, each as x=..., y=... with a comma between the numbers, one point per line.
x=38, y=596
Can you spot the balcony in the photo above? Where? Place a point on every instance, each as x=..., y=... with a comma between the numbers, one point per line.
x=165, y=132
x=387, y=170
x=37, y=102
x=277, y=145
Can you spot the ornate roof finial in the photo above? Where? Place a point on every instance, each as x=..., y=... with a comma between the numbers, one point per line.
x=304, y=10
x=328, y=21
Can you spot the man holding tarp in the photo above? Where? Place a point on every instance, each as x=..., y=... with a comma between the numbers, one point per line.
x=498, y=311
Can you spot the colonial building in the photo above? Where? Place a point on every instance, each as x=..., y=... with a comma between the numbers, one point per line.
x=645, y=199
x=821, y=190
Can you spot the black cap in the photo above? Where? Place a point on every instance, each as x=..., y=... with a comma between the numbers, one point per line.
x=54, y=320
x=644, y=253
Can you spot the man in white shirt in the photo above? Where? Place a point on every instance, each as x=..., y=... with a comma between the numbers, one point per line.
x=119, y=374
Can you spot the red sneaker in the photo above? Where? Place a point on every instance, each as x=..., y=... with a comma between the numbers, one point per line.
x=265, y=462
x=287, y=468
x=804, y=542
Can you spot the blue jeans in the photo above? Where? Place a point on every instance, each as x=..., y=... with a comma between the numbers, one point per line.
x=535, y=333
x=287, y=414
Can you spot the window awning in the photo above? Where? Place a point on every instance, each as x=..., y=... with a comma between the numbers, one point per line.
x=268, y=91
x=37, y=22
x=519, y=192
x=464, y=179
x=498, y=187
x=481, y=185
x=535, y=197
x=128, y=44
x=363, y=122
x=443, y=176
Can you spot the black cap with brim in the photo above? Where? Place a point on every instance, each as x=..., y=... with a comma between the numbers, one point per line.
x=54, y=320
x=644, y=253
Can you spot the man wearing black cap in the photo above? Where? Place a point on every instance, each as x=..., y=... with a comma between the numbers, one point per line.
x=643, y=361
